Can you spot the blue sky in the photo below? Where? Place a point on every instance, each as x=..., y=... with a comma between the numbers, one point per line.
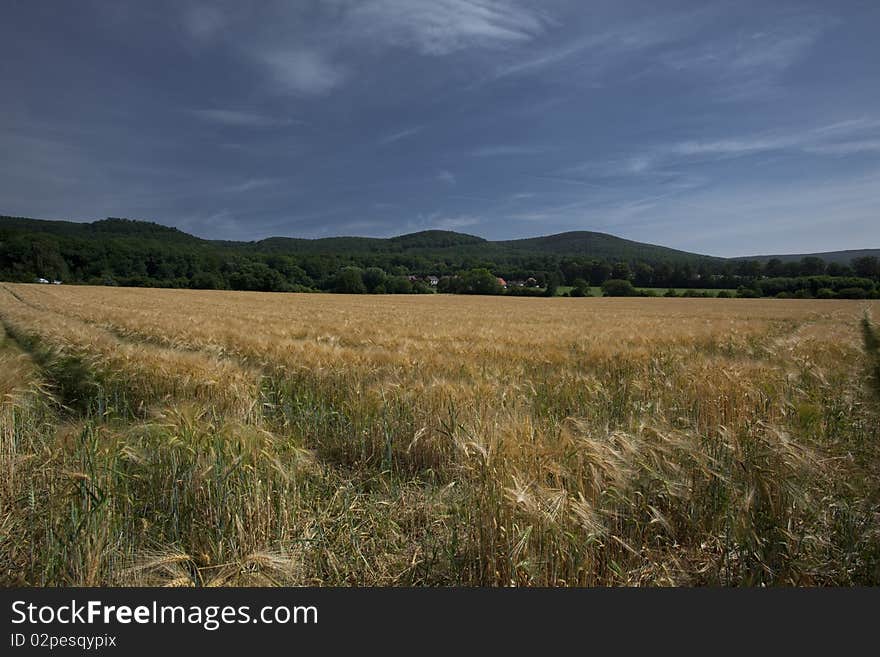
x=727, y=128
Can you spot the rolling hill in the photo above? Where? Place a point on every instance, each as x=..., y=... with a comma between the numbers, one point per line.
x=140, y=253
x=840, y=257
x=429, y=242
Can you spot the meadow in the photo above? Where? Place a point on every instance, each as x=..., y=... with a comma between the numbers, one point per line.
x=208, y=438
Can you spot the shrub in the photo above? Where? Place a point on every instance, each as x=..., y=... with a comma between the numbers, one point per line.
x=723, y=294
x=207, y=281
x=524, y=292
x=580, y=288
x=747, y=293
x=852, y=293
x=616, y=287
x=479, y=281
x=825, y=293
x=349, y=281
x=671, y=293
x=374, y=278
x=420, y=287
x=398, y=285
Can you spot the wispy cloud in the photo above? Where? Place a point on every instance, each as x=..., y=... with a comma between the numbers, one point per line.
x=446, y=177
x=441, y=221
x=749, y=63
x=833, y=139
x=251, y=185
x=506, y=151
x=210, y=224
x=596, y=51
x=731, y=147
x=455, y=222
x=242, y=119
x=853, y=137
x=846, y=147
x=441, y=27
x=400, y=134
x=821, y=215
x=308, y=72
x=203, y=22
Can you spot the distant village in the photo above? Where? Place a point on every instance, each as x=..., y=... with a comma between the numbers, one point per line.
x=434, y=281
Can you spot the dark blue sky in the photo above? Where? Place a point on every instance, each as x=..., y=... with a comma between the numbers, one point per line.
x=727, y=128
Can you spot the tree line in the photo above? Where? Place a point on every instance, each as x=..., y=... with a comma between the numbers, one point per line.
x=149, y=261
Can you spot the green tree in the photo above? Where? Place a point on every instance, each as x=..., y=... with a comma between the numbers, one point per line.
x=616, y=287
x=812, y=266
x=553, y=281
x=350, y=281
x=580, y=288
x=374, y=277
x=621, y=271
x=600, y=272
x=398, y=285
x=644, y=274
x=774, y=267
x=479, y=281
x=866, y=267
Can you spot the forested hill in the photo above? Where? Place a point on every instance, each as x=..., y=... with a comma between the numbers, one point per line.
x=437, y=242
x=599, y=245
x=838, y=257
x=140, y=253
x=97, y=230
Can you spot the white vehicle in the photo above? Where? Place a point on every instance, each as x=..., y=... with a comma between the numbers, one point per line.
x=41, y=280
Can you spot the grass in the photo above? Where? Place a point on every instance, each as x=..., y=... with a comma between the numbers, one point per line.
x=191, y=438
x=681, y=290
x=596, y=291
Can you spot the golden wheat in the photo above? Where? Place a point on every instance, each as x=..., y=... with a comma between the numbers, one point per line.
x=249, y=438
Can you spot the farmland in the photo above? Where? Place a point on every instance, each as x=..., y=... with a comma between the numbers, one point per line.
x=194, y=438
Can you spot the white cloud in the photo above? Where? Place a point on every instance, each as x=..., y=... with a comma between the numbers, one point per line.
x=750, y=64
x=446, y=176
x=441, y=221
x=847, y=147
x=204, y=22
x=241, y=119
x=834, y=139
x=302, y=71
x=454, y=222
x=252, y=184
x=595, y=52
x=799, y=216
x=441, y=27
x=732, y=147
x=506, y=150
x=852, y=137
x=400, y=134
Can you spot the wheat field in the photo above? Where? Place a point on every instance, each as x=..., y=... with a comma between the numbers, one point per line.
x=189, y=438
